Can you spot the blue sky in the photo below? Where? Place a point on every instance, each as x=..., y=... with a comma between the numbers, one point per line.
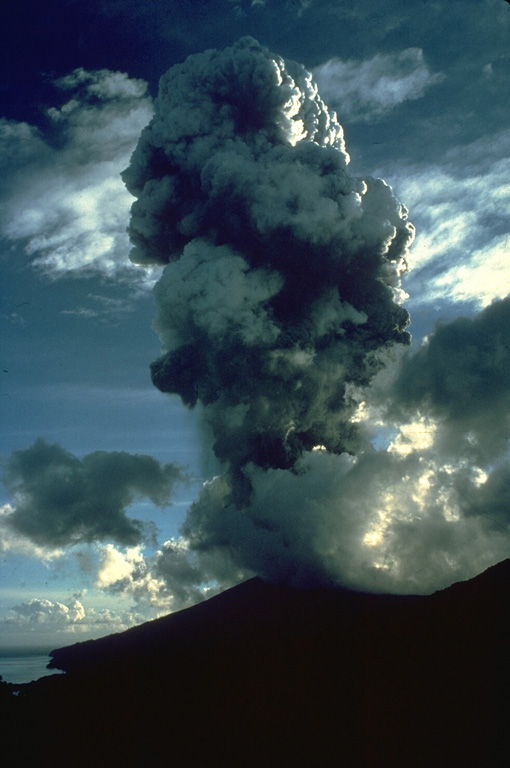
x=419, y=498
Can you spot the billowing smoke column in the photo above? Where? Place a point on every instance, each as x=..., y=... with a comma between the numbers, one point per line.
x=281, y=290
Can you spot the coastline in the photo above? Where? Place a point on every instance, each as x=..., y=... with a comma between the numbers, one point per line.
x=19, y=666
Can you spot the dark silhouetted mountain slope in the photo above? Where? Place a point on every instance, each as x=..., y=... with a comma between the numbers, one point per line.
x=267, y=675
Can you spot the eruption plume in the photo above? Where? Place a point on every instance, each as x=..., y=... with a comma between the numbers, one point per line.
x=280, y=296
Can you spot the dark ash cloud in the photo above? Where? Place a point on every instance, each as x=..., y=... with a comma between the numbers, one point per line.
x=61, y=499
x=282, y=268
x=282, y=287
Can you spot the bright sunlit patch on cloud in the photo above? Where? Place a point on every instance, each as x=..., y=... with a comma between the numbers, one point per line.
x=375, y=535
x=117, y=566
x=484, y=278
x=167, y=580
x=417, y=436
x=360, y=414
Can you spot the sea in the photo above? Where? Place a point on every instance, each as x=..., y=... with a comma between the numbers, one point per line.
x=23, y=665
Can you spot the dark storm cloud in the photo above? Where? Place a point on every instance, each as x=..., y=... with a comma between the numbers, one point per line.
x=461, y=377
x=491, y=501
x=61, y=499
x=182, y=578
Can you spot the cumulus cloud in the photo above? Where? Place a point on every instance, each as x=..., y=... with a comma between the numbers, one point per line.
x=41, y=611
x=50, y=621
x=60, y=499
x=116, y=566
x=364, y=90
x=171, y=578
x=433, y=507
x=64, y=200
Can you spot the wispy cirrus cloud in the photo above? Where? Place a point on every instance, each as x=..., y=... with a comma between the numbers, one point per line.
x=64, y=200
x=460, y=207
x=362, y=90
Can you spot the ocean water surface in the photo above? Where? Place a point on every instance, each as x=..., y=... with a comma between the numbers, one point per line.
x=23, y=665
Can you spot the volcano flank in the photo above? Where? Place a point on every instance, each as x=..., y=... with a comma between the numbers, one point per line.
x=271, y=675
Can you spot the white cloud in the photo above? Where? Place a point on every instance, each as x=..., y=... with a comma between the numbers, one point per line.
x=42, y=611
x=168, y=580
x=116, y=566
x=416, y=435
x=66, y=202
x=52, y=622
x=460, y=209
x=484, y=278
x=105, y=309
x=362, y=90
x=129, y=587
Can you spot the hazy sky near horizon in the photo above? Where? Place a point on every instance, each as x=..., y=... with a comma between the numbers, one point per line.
x=293, y=430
